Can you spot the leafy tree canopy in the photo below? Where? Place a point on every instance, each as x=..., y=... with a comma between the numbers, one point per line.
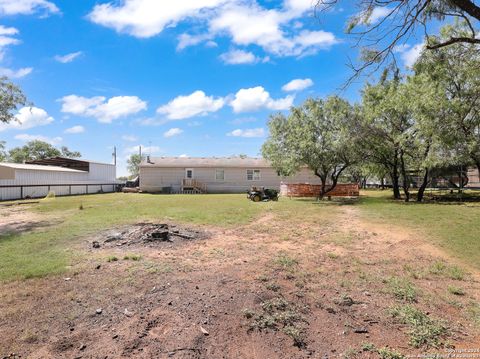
x=320, y=134
x=133, y=163
x=36, y=150
x=11, y=97
x=382, y=27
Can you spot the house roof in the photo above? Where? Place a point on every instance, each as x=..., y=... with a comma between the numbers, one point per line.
x=23, y=166
x=218, y=162
x=66, y=162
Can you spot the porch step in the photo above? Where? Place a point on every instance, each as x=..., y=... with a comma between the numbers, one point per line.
x=192, y=186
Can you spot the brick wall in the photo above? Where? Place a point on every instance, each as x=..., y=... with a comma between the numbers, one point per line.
x=311, y=190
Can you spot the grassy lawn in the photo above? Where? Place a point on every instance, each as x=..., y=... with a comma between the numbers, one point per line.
x=449, y=225
x=50, y=250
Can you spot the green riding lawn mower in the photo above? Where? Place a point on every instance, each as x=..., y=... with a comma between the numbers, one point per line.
x=262, y=194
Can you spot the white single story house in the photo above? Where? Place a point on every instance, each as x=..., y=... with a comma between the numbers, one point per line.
x=60, y=175
x=213, y=175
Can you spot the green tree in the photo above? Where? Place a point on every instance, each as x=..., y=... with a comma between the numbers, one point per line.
x=36, y=150
x=11, y=97
x=3, y=153
x=319, y=134
x=385, y=129
x=453, y=102
x=133, y=163
x=381, y=27
x=65, y=152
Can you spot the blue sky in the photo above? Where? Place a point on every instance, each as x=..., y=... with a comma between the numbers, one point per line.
x=189, y=77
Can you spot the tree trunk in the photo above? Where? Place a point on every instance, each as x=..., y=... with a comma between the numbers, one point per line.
x=323, y=180
x=404, y=177
x=382, y=183
x=421, y=190
x=395, y=176
x=396, y=187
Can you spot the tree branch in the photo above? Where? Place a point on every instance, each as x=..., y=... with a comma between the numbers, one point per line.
x=454, y=40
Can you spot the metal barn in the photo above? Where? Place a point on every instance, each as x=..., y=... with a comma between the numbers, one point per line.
x=60, y=175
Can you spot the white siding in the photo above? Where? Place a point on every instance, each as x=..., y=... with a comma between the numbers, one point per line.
x=99, y=173
x=152, y=179
x=102, y=172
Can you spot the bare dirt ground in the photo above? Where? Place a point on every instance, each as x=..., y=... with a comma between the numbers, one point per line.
x=270, y=289
x=17, y=218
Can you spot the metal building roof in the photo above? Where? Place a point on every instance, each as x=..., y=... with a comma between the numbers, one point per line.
x=23, y=166
x=242, y=162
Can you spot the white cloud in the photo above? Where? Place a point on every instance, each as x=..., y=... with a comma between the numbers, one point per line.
x=297, y=85
x=235, y=57
x=7, y=38
x=26, y=137
x=15, y=74
x=251, y=24
x=186, y=40
x=100, y=108
x=8, y=30
x=409, y=54
x=26, y=7
x=256, y=98
x=173, y=132
x=195, y=104
x=75, y=129
x=300, y=6
x=68, y=57
x=249, y=132
x=28, y=117
x=245, y=22
x=378, y=13
x=129, y=138
x=240, y=121
x=146, y=18
x=184, y=155
x=145, y=149
x=211, y=43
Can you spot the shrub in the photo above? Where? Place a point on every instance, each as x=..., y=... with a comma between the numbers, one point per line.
x=402, y=289
x=423, y=330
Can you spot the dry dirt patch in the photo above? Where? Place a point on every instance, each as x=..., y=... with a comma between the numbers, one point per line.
x=17, y=218
x=248, y=292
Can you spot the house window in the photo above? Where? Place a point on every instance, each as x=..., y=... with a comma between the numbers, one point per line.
x=189, y=173
x=253, y=175
x=220, y=175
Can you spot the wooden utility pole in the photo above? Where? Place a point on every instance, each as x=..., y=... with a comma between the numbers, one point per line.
x=114, y=154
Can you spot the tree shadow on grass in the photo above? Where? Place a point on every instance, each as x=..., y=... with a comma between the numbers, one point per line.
x=17, y=227
x=335, y=201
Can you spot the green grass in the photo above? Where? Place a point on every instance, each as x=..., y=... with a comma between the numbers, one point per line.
x=445, y=270
x=49, y=250
x=402, y=289
x=52, y=249
x=423, y=330
x=455, y=290
x=286, y=262
x=133, y=257
x=451, y=226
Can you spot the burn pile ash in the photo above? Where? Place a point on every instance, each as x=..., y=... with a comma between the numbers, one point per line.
x=150, y=233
